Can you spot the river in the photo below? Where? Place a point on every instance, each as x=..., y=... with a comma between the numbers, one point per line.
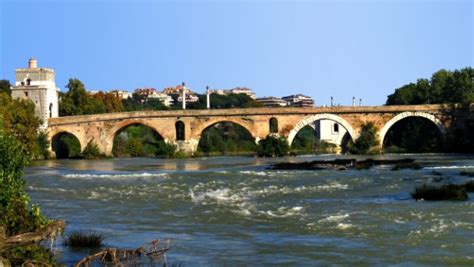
x=232, y=211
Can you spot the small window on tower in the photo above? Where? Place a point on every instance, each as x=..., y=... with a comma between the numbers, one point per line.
x=336, y=127
x=26, y=94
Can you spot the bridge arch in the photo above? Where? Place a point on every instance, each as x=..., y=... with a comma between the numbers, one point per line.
x=323, y=116
x=121, y=125
x=63, y=150
x=408, y=114
x=241, y=122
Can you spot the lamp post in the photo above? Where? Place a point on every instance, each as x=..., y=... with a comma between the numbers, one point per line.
x=184, y=96
x=332, y=101
x=208, y=98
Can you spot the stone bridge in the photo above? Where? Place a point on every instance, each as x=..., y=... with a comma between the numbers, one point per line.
x=102, y=128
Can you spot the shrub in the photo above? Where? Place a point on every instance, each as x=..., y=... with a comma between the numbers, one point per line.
x=80, y=239
x=91, y=151
x=469, y=186
x=367, y=140
x=166, y=149
x=273, y=146
x=445, y=192
x=42, y=141
x=15, y=217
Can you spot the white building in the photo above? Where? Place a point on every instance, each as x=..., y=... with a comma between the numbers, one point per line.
x=122, y=94
x=244, y=90
x=330, y=131
x=299, y=100
x=38, y=85
x=189, y=98
x=163, y=98
x=272, y=101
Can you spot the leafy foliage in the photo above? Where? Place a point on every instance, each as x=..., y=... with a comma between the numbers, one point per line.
x=5, y=87
x=20, y=121
x=77, y=102
x=367, y=140
x=14, y=201
x=273, y=146
x=443, y=87
x=91, y=151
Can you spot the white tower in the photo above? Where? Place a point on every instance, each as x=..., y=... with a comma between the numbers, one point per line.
x=38, y=85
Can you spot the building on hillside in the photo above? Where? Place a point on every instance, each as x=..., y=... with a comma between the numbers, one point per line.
x=299, y=100
x=92, y=92
x=163, y=98
x=272, y=101
x=177, y=90
x=243, y=90
x=144, y=92
x=122, y=94
x=218, y=91
x=38, y=85
x=189, y=98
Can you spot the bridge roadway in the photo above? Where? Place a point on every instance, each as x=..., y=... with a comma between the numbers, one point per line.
x=184, y=127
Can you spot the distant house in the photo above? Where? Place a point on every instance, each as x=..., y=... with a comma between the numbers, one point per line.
x=122, y=94
x=152, y=93
x=299, y=100
x=163, y=98
x=243, y=90
x=189, y=98
x=272, y=101
x=177, y=90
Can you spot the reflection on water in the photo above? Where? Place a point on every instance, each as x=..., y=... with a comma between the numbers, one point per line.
x=234, y=211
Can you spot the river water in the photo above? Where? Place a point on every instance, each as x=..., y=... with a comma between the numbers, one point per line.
x=233, y=211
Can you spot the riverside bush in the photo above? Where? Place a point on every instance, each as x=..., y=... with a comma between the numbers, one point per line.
x=91, y=151
x=444, y=192
x=14, y=201
x=79, y=239
x=367, y=140
x=273, y=146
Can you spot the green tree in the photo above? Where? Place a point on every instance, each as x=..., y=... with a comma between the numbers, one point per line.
x=14, y=201
x=5, y=87
x=77, y=102
x=273, y=146
x=20, y=121
x=367, y=140
x=444, y=87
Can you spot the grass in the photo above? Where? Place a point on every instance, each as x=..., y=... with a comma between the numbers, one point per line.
x=444, y=192
x=80, y=239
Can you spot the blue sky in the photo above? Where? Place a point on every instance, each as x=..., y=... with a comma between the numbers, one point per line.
x=347, y=48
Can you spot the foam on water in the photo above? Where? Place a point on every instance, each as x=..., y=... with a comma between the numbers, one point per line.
x=113, y=176
x=335, y=218
x=450, y=167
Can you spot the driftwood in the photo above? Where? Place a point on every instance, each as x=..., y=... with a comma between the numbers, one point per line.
x=120, y=257
x=32, y=237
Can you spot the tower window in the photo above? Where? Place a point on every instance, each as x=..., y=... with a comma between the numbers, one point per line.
x=336, y=128
x=51, y=110
x=26, y=94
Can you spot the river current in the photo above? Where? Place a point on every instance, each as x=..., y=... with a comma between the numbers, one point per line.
x=233, y=211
